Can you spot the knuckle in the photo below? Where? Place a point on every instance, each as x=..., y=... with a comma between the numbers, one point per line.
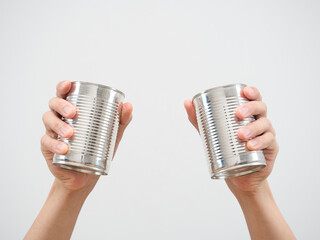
x=57, y=103
x=52, y=102
x=255, y=106
x=57, y=125
x=58, y=87
x=267, y=123
x=45, y=116
x=256, y=91
x=264, y=107
x=272, y=137
x=43, y=140
x=64, y=103
x=255, y=129
x=130, y=119
x=277, y=147
x=252, y=106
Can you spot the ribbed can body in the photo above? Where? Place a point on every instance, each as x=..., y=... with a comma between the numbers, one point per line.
x=226, y=154
x=96, y=127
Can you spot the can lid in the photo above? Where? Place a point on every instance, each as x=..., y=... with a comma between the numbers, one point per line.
x=241, y=85
x=100, y=85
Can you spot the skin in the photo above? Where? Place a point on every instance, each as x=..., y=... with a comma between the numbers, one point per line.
x=252, y=191
x=70, y=189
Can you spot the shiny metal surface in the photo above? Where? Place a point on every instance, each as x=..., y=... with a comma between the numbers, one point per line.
x=96, y=126
x=226, y=154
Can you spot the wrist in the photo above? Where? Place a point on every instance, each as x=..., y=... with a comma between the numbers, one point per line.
x=260, y=191
x=260, y=194
x=60, y=190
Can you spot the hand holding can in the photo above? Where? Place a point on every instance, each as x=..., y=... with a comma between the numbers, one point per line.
x=96, y=125
x=226, y=154
x=50, y=145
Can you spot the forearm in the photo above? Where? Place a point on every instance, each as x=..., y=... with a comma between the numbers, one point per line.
x=59, y=214
x=263, y=217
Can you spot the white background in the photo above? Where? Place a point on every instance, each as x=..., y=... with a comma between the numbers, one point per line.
x=160, y=53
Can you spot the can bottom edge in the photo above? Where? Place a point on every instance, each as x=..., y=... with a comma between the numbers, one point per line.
x=79, y=167
x=238, y=170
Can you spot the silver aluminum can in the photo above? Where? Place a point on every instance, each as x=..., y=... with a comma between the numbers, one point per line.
x=96, y=127
x=226, y=154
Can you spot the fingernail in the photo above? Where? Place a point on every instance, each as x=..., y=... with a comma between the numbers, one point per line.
x=67, y=109
x=64, y=130
x=60, y=147
x=244, y=111
x=254, y=143
x=246, y=132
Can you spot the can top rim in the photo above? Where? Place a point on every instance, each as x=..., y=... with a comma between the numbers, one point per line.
x=217, y=88
x=100, y=85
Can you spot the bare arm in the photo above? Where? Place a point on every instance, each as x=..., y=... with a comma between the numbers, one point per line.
x=59, y=214
x=252, y=191
x=70, y=189
x=263, y=216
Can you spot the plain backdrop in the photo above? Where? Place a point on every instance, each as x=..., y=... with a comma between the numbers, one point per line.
x=160, y=53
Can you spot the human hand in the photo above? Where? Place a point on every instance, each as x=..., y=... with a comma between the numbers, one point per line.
x=70, y=180
x=261, y=135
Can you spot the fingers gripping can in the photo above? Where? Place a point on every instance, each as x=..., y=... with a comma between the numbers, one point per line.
x=96, y=127
x=227, y=155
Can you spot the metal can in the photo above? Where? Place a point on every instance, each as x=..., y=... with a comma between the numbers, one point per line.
x=227, y=155
x=96, y=127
